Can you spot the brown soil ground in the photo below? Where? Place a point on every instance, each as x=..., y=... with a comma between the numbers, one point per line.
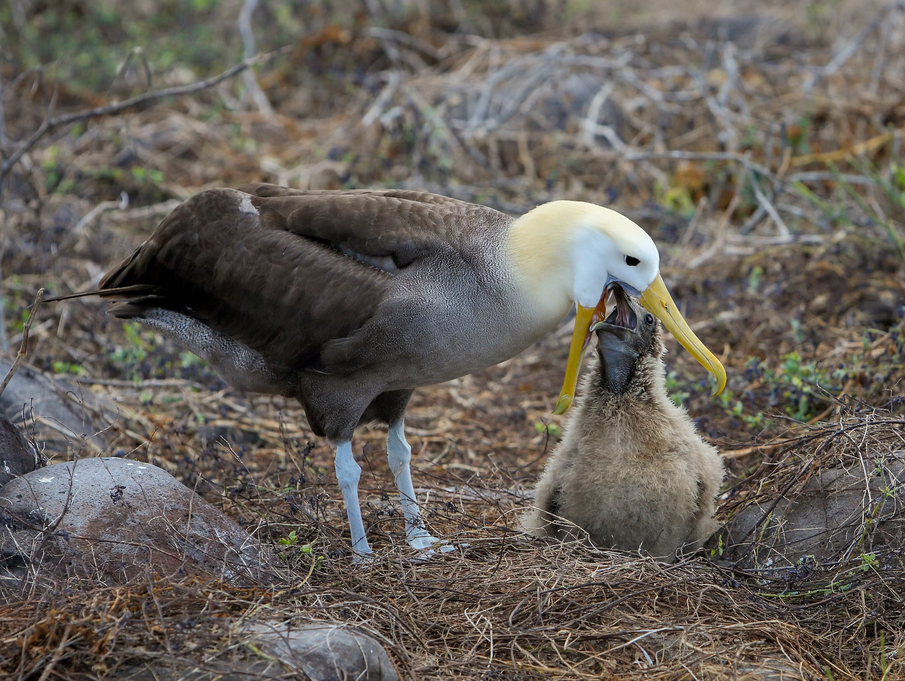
x=780, y=222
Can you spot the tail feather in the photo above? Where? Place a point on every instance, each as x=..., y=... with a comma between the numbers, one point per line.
x=129, y=310
x=146, y=293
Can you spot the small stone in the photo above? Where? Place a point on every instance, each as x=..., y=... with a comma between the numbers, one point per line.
x=325, y=652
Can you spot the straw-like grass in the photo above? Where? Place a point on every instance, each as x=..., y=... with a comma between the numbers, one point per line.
x=762, y=158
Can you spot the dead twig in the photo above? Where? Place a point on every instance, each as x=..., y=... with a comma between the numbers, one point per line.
x=50, y=122
x=91, y=215
x=407, y=40
x=4, y=342
x=858, y=149
x=23, y=348
x=377, y=108
x=3, y=140
x=698, y=156
x=248, y=43
x=146, y=212
x=850, y=48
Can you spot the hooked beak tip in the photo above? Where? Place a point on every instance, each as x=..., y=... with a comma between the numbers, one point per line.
x=657, y=300
x=563, y=404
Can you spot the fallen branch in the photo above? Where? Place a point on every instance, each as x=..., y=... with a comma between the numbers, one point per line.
x=4, y=344
x=851, y=47
x=92, y=215
x=50, y=123
x=2, y=118
x=698, y=156
x=854, y=150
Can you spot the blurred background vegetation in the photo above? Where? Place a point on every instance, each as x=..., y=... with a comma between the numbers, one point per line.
x=748, y=137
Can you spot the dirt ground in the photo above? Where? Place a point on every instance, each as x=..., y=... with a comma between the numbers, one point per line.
x=759, y=144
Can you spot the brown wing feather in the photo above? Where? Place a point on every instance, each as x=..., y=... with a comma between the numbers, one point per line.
x=276, y=269
x=399, y=224
x=281, y=294
x=265, y=190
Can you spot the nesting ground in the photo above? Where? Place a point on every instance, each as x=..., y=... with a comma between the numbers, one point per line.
x=762, y=151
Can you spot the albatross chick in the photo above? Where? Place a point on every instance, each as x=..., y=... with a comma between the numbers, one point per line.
x=349, y=300
x=631, y=471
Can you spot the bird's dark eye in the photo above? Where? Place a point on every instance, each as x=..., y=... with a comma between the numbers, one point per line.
x=631, y=261
x=648, y=318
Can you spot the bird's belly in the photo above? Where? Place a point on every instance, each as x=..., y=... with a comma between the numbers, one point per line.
x=459, y=345
x=237, y=364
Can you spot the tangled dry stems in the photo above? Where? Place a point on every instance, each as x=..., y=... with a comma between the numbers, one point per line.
x=503, y=604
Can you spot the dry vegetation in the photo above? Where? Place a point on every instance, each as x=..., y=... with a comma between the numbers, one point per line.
x=761, y=147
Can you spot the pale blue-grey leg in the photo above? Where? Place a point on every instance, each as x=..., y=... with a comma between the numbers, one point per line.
x=348, y=473
x=399, y=456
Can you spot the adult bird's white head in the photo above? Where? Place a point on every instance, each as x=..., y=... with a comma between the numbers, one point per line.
x=572, y=252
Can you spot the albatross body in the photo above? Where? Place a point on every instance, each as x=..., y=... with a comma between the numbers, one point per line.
x=349, y=300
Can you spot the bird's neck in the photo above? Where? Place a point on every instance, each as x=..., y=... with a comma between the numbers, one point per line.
x=539, y=250
x=644, y=385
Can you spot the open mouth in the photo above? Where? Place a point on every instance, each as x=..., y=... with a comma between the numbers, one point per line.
x=620, y=321
x=620, y=312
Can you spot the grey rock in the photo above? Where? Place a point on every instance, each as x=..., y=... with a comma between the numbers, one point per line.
x=16, y=456
x=325, y=652
x=64, y=413
x=771, y=669
x=315, y=652
x=839, y=514
x=113, y=519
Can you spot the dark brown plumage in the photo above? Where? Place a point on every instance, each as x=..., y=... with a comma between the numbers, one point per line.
x=307, y=312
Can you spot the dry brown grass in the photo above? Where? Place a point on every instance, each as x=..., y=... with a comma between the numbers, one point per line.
x=502, y=605
x=504, y=122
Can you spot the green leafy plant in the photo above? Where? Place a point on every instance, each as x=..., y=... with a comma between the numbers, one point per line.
x=552, y=428
x=129, y=357
x=799, y=388
x=675, y=389
x=292, y=540
x=869, y=561
x=676, y=199
x=61, y=367
x=718, y=551
x=754, y=279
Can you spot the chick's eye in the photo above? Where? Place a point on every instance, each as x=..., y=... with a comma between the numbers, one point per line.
x=631, y=261
x=648, y=318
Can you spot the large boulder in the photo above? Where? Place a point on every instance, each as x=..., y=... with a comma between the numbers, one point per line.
x=64, y=414
x=838, y=514
x=112, y=519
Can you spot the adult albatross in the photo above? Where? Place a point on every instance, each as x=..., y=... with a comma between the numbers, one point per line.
x=349, y=300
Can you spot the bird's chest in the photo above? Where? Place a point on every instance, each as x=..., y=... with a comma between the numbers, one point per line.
x=458, y=323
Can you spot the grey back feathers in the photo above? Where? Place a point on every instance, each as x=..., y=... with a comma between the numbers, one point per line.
x=631, y=472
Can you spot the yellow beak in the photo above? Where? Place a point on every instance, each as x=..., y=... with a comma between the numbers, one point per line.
x=656, y=299
x=583, y=318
